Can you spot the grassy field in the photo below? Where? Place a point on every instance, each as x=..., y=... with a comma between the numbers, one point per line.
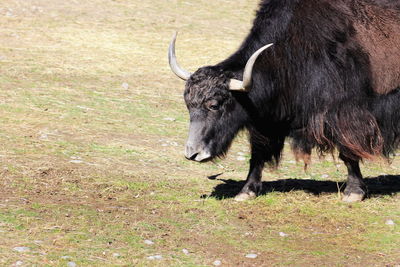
x=92, y=133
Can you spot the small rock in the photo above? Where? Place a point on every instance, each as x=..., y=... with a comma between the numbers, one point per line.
x=116, y=255
x=71, y=264
x=217, y=263
x=125, y=86
x=282, y=234
x=185, y=251
x=66, y=257
x=390, y=222
x=324, y=176
x=18, y=263
x=240, y=153
x=84, y=108
x=44, y=136
x=148, y=242
x=240, y=158
x=155, y=257
x=76, y=161
x=169, y=119
x=251, y=256
x=22, y=249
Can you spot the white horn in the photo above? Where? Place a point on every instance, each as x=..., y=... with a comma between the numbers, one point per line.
x=245, y=85
x=236, y=85
x=181, y=73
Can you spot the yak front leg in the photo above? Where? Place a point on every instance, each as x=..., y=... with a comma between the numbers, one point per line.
x=253, y=184
x=261, y=152
x=355, y=187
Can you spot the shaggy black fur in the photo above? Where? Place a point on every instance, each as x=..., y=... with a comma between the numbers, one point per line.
x=315, y=85
x=386, y=110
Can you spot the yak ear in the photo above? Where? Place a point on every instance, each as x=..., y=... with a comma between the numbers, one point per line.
x=236, y=85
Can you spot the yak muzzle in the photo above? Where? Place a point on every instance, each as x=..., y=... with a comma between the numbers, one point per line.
x=196, y=154
x=196, y=149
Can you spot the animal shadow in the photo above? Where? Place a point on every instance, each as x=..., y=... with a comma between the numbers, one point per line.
x=380, y=185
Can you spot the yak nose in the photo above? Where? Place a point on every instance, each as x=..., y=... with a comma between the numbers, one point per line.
x=197, y=154
x=190, y=152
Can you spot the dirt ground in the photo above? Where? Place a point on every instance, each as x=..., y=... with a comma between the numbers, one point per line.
x=92, y=133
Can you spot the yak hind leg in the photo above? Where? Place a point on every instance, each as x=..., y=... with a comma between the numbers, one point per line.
x=356, y=189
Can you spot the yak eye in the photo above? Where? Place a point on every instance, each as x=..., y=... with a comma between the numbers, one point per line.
x=214, y=107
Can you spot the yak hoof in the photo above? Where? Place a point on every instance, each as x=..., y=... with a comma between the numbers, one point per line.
x=245, y=196
x=353, y=197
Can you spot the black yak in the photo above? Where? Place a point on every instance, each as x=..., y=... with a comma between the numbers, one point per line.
x=330, y=81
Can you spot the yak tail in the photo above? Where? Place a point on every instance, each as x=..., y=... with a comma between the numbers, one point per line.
x=386, y=110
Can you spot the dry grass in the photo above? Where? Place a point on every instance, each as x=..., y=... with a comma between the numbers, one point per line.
x=90, y=169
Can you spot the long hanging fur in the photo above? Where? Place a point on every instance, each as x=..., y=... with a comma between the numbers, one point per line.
x=386, y=110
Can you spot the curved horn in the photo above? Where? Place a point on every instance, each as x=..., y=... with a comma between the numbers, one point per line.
x=248, y=69
x=181, y=73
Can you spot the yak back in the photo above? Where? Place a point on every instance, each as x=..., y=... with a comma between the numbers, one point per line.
x=377, y=24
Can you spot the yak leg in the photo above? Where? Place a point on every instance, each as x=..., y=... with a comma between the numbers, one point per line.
x=253, y=182
x=260, y=153
x=355, y=188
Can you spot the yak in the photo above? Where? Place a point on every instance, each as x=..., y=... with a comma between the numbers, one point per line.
x=324, y=74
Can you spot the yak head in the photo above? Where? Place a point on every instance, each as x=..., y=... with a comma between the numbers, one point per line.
x=216, y=115
x=213, y=114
